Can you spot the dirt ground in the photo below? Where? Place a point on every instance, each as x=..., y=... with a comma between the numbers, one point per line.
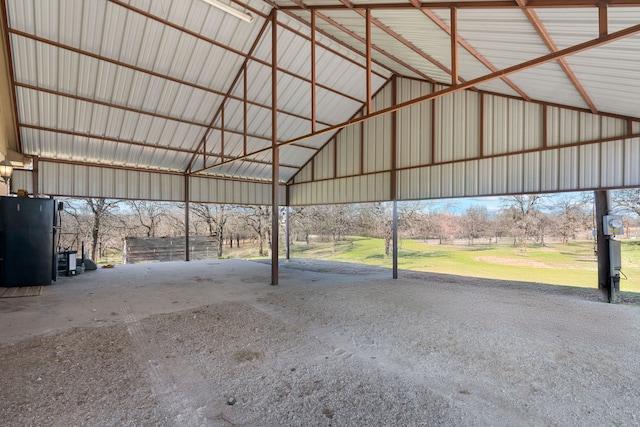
x=174, y=344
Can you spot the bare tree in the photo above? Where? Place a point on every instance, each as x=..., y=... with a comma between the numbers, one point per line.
x=475, y=222
x=258, y=219
x=94, y=219
x=447, y=226
x=302, y=222
x=378, y=219
x=148, y=215
x=571, y=217
x=627, y=201
x=215, y=217
x=522, y=209
x=335, y=221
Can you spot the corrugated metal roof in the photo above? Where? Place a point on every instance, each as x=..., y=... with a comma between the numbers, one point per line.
x=137, y=83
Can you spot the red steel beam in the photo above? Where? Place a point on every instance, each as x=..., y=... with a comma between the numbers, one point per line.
x=368, y=58
x=149, y=72
x=537, y=24
x=144, y=112
x=454, y=46
x=488, y=4
x=275, y=153
x=374, y=47
x=12, y=128
x=324, y=33
x=553, y=56
x=244, y=109
x=400, y=39
x=603, y=20
x=144, y=144
x=494, y=156
x=436, y=20
x=313, y=72
x=247, y=56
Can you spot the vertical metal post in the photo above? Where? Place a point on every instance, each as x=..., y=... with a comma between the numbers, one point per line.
x=369, y=102
x=395, y=239
x=393, y=191
x=244, y=108
x=454, y=46
x=287, y=234
x=603, y=20
x=287, y=230
x=222, y=134
x=35, y=176
x=313, y=71
x=602, y=203
x=187, y=255
x=481, y=121
x=275, y=154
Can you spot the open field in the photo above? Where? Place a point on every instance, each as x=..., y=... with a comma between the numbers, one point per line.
x=573, y=264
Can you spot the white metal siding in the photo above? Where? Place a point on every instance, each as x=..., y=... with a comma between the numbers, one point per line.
x=414, y=125
x=377, y=135
x=348, y=151
x=61, y=179
x=631, y=161
x=511, y=125
x=211, y=190
x=457, y=126
x=359, y=189
x=90, y=181
x=324, y=162
x=516, y=160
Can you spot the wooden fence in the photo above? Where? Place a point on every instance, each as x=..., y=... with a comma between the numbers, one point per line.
x=152, y=249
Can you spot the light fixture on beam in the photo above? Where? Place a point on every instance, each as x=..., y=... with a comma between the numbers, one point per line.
x=231, y=11
x=6, y=170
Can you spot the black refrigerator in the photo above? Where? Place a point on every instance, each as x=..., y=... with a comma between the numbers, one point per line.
x=27, y=241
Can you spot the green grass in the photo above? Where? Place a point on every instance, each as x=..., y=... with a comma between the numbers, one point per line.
x=571, y=265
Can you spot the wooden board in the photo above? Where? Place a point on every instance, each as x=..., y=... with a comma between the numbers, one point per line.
x=22, y=291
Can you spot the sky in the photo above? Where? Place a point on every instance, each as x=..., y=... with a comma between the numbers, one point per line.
x=493, y=203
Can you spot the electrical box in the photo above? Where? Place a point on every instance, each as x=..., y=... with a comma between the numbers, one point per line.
x=615, y=257
x=612, y=225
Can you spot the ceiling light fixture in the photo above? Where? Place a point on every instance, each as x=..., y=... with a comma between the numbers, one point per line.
x=231, y=11
x=6, y=170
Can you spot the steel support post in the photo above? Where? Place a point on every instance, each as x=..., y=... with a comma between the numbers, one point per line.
x=395, y=239
x=187, y=256
x=287, y=234
x=275, y=152
x=602, y=203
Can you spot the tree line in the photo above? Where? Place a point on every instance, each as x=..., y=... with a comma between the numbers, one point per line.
x=102, y=224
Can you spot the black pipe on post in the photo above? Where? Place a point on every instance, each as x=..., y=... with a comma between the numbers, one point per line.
x=602, y=203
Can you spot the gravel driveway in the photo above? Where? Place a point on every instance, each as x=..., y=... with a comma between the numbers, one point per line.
x=210, y=343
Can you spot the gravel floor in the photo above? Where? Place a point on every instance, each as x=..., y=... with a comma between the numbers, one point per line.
x=334, y=345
